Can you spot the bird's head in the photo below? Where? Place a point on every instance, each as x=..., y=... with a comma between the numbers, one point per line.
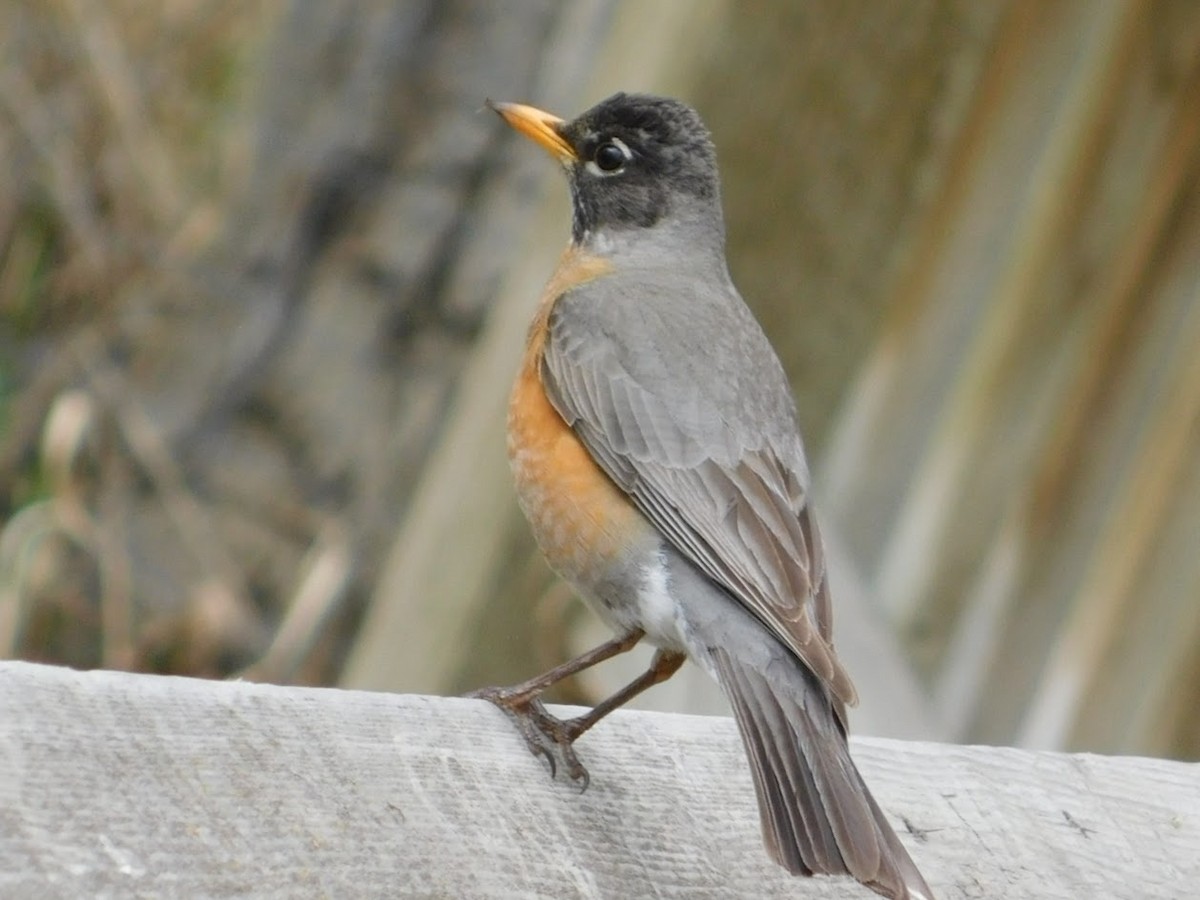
x=633, y=161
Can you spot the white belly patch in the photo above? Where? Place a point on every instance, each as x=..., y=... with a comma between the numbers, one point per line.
x=657, y=609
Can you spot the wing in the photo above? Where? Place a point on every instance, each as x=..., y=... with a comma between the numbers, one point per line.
x=679, y=397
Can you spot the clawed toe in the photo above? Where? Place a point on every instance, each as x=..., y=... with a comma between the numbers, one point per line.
x=545, y=735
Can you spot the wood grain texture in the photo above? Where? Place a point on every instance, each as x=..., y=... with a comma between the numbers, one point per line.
x=123, y=785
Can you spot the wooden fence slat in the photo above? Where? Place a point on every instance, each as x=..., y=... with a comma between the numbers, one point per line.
x=123, y=785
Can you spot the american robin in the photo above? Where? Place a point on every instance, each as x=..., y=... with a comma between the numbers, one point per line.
x=653, y=440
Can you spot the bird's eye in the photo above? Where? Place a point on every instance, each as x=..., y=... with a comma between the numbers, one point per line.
x=610, y=156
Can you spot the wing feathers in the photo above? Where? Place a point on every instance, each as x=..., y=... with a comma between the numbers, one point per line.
x=730, y=495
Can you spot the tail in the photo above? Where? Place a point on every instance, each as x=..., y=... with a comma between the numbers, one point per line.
x=817, y=815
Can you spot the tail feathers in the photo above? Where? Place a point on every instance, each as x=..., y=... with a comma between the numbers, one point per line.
x=817, y=815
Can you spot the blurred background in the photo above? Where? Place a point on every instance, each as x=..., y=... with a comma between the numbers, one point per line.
x=265, y=270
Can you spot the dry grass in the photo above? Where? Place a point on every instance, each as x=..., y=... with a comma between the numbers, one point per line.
x=116, y=123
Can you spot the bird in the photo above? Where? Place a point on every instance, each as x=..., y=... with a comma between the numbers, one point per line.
x=654, y=444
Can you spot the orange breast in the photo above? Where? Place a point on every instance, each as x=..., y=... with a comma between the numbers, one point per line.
x=581, y=519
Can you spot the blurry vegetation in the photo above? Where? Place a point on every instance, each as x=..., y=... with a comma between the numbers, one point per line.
x=113, y=126
x=246, y=252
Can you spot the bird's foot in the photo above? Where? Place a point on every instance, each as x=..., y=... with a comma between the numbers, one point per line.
x=546, y=735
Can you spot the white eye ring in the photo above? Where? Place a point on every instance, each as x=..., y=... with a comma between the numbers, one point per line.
x=594, y=169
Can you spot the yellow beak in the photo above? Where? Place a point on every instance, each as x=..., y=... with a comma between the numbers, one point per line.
x=538, y=126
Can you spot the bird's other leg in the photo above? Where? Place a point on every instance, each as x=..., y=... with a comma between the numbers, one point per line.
x=547, y=735
x=522, y=703
x=663, y=666
x=563, y=733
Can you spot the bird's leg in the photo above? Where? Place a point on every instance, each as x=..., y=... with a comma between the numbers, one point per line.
x=522, y=703
x=528, y=690
x=564, y=733
x=551, y=737
x=663, y=666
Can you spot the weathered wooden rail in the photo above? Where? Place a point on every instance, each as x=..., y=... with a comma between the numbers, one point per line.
x=117, y=785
